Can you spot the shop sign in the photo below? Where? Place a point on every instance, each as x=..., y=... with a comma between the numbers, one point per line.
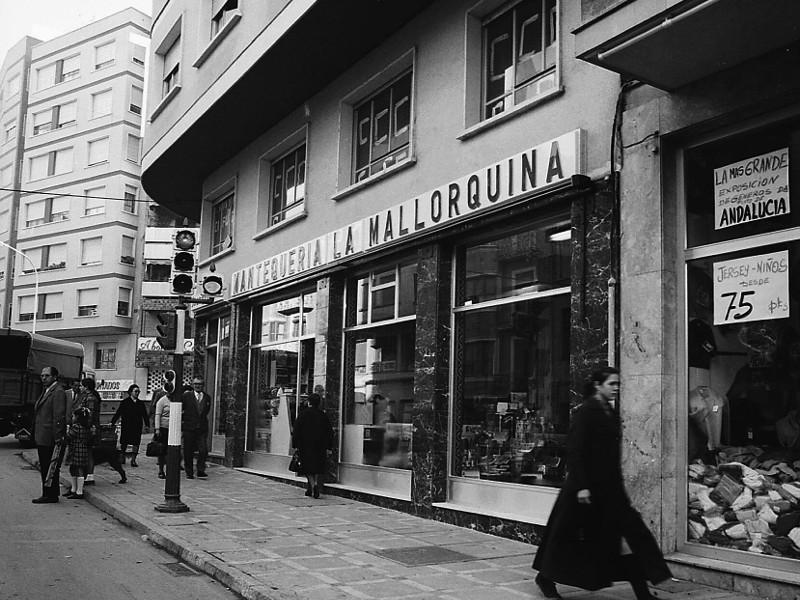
x=752, y=189
x=755, y=288
x=533, y=170
x=113, y=389
x=150, y=344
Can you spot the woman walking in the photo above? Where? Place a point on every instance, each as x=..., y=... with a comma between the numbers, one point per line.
x=313, y=437
x=133, y=413
x=161, y=433
x=594, y=536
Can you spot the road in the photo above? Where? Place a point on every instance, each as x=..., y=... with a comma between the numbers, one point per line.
x=71, y=550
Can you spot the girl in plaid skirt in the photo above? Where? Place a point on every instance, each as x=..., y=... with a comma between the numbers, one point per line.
x=79, y=435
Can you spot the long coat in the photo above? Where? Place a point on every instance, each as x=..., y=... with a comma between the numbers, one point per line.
x=50, y=416
x=593, y=463
x=134, y=416
x=78, y=448
x=195, y=414
x=312, y=436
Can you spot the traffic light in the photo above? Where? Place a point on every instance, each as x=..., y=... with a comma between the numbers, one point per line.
x=167, y=330
x=212, y=285
x=168, y=383
x=183, y=276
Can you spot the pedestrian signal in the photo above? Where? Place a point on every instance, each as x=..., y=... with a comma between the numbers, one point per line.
x=212, y=285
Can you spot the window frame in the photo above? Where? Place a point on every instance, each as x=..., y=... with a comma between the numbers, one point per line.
x=97, y=210
x=120, y=302
x=90, y=145
x=94, y=308
x=126, y=259
x=169, y=89
x=94, y=97
x=108, y=63
x=10, y=130
x=52, y=158
x=137, y=159
x=84, y=262
x=131, y=199
x=136, y=109
x=110, y=361
x=216, y=246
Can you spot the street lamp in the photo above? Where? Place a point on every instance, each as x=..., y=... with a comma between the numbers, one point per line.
x=36, y=284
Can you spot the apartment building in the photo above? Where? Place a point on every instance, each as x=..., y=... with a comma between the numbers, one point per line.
x=78, y=210
x=441, y=214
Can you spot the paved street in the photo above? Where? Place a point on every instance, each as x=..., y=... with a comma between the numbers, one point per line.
x=265, y=539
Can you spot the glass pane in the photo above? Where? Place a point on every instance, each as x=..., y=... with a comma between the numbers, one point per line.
x=527, y=261
x=381, y=394
x=740, y=186
x=743, y=357
x=407, y=290
x=515, y=380
x=272, y=399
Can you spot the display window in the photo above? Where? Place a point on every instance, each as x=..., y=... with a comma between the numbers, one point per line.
x=742, y=336
x=218, y=362
x=512, y=352
x=282, y=371
x=380, y=336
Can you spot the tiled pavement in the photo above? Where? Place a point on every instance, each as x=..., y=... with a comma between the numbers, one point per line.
x=265, y=539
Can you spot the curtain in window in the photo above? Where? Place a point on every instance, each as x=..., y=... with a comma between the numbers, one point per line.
x=101, y=104
x=92, y=251
x=98, y=151
x=63, y=161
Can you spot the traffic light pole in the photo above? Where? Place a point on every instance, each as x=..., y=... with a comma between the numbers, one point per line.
x=172, y=485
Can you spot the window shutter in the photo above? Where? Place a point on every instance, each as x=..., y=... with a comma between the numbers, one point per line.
x=92, y=251
x=104, y=54
x=35, y=210
x=127, y=245
x=26, y=305
x=101, y=104
x=67, y=113
x=138, y=53
x=172, y=56
x=41, y=119
x=39, y=166
x=133, y=148
x=98, y=151
x=71, y=64
x=216, y=5
x=60, y=205
x=46, y=77
x=95, y=205
x=58, y=254
x=53, y=304
x=63, y=161
x=89, y=297
x=137, y=98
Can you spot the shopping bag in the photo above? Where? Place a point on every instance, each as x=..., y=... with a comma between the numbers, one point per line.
x=294, y=464
x=154, y=448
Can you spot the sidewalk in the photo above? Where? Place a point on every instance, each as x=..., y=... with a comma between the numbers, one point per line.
x=266, y=540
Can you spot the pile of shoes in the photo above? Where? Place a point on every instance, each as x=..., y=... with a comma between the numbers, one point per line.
x=748, y=500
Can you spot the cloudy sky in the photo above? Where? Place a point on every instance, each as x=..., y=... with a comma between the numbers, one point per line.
x=46, y=19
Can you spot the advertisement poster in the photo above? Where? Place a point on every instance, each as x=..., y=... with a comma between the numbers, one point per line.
x=755, y=288
x=752, y=189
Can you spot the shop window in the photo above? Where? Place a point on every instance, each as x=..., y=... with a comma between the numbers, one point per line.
x=380, y=341
x=512, y=331
x=282, y=373
x=742, y=332
x=222, y=224
x=382, y=129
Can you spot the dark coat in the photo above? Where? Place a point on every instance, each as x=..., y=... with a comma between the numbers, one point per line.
x=593, y=463
x=312, y=436
x=134, y=417
x=78, y=448
x=50, y=416
x=194, y=415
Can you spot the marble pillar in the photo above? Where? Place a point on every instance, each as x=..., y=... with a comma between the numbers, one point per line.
x=431, y=377
x=235, y=356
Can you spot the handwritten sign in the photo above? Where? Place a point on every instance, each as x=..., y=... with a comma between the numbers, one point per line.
x=755, y=288
x=752, y=189
x=151, y=343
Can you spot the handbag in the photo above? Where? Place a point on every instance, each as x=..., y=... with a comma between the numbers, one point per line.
x=294, y=464
x=154, y=448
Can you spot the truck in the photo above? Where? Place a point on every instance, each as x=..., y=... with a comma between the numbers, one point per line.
x=23, y=355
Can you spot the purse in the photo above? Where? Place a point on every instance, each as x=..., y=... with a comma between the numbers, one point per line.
x=294, y=464
x=154, y=448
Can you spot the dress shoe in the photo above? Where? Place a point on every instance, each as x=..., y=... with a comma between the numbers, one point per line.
x=76, y=497
x=67, y=494
x=309, y=490
x=134, y=463
x=189, y=476
x=316, y=491
x=202, y=474
x=123, y=480
x=162, y=475
x=45, y=500
x=547, y=587
x=70, y=495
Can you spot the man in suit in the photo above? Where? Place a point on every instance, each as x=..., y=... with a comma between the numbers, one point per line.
x=49, y=430
x=194, y=425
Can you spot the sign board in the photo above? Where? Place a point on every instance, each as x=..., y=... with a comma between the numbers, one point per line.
x=752, y=189
x=151, y=344
x=755, y=288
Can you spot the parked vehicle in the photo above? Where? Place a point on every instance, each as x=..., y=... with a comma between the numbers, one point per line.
x=22, y=359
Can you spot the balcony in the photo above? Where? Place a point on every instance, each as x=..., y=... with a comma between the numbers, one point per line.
x=671, y=43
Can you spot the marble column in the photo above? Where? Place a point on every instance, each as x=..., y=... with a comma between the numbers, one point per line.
x=234, y=383
x=431, y=378
x=328, y=353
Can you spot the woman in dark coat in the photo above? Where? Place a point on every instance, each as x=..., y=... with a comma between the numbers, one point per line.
x=594, y=536
x=133, y=413
x=313, y=437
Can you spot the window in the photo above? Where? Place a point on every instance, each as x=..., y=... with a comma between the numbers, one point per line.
x=88, y=302
x=519, y=55
x=101, y=104
x=380, y=338
x=51, y=306
x=128, y=250
x=131, y=194
x=132, y=150
x=12, y=86
x=45, y=258
x=10, y=131
x=222, y=225
x=511, y=360
x=221, y=13
x=49, y=210
x=104, y=55
x=124, y=302
x=95, y=203
x=105, y=356
x=98, y=151
x=138, y=54
x=92, y=251
x=6, y=175
x=56, y=117
x=172, y=67
x=58, y=72
x=53, y=163
x=4, y=221
x=382, y=129
x=288, y=186
x=158, y=272
x=137, y=99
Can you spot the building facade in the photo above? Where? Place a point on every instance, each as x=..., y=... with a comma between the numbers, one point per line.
x=77, y=209
x=445, y=223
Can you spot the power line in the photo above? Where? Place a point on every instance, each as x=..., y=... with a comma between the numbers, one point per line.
x=5, y=189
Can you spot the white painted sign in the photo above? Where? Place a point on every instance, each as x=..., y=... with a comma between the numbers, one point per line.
x=533, y=170
x=151, y=343
x=752, y=189
x=755, y=288
x=113, y=389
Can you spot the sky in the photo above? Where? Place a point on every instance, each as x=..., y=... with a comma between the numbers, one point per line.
x=47, y=19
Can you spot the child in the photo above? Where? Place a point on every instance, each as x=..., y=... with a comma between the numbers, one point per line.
x=78, y=435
